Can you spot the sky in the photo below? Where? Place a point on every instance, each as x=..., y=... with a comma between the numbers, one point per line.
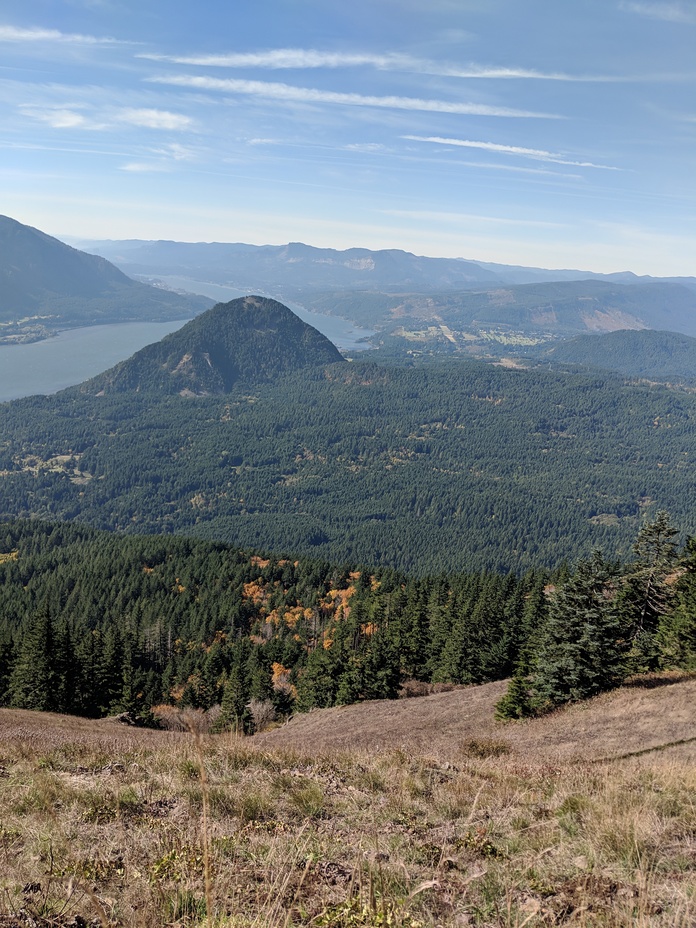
x=546, y=133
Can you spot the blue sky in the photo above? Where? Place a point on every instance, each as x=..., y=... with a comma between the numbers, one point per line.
x=545, y=132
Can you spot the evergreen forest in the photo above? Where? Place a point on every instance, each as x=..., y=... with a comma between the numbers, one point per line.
x=94, y=623
x=428, y=468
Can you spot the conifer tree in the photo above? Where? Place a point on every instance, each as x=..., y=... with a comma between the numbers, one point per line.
x=582, y=651
x=676, y=634
x=647, y=596
x=34, y=682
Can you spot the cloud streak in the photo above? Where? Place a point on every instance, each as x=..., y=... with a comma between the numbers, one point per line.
x=310, y=58
x=536, y=153
x=669, y=12
x=16, y=34
x=289, y=93
x=438, y=216
x=57, y=117
x=154, y=119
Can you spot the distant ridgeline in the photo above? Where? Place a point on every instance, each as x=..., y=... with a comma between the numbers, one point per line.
x=95, y=623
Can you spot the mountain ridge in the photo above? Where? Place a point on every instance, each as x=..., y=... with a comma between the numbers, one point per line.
x=153, y=256
x=46, y=285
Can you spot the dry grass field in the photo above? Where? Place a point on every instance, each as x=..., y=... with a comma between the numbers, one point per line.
x=422, y=812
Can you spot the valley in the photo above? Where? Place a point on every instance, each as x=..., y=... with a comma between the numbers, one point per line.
x=393, y=632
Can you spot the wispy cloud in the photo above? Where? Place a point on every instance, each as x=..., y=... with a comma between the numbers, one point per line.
x=439, y=216
x=145, y=167
x=292, y=94
x=367, y=148
x=292, y=58
x=163, y=160
x=81, y=116
x=154, y=119
x=175, y=151
x=670, y=12
x=58, y=117
x=536, y=153
x=311, y=58
x=17, y=34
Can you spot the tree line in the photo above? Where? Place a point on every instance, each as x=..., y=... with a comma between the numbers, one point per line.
x=95, y=623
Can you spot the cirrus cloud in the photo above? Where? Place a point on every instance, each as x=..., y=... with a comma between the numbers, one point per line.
x=670, y=12
x=290, y=93
x=537, y=154
x=18, y=34
x=311, y=58
x=154, y=119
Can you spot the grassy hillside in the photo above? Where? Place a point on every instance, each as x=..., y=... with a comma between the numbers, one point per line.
x=108, y=825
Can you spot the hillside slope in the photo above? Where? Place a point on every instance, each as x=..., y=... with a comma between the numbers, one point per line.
x=647, y=353
x=626, y=721
x=106, y=824
x=538, y=310
x=46, y=285
x=252, y=339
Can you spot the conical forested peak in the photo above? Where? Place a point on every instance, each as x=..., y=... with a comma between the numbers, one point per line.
x=250, y=340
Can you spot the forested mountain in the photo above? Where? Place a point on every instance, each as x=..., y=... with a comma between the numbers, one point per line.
x=46, y=285
x=646, y=353
x=437, y=466
x=251, y=340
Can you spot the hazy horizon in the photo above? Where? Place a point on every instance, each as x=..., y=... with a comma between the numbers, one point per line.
x=538, y=134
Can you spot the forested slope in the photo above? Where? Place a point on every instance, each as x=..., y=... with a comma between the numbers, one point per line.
x=444, y=466
x=93, y=623
x=46, y=285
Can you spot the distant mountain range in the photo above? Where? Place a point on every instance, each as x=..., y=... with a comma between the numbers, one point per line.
x=253, y=340
x=436, y=303
x=412, y=303
x=46, y=285
x=304, y=267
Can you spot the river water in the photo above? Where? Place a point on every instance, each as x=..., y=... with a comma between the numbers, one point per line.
x=78, y=354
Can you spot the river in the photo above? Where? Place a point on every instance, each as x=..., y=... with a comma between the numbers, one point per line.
x=78, y=354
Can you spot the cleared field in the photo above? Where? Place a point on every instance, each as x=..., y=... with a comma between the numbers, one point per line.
x=653, y=715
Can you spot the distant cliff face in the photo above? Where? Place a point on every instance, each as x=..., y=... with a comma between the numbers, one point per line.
x=249, y=340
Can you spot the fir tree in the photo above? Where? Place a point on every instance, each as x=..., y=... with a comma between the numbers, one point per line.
x=34, y=683
x=582, y=651
x=647, y=596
